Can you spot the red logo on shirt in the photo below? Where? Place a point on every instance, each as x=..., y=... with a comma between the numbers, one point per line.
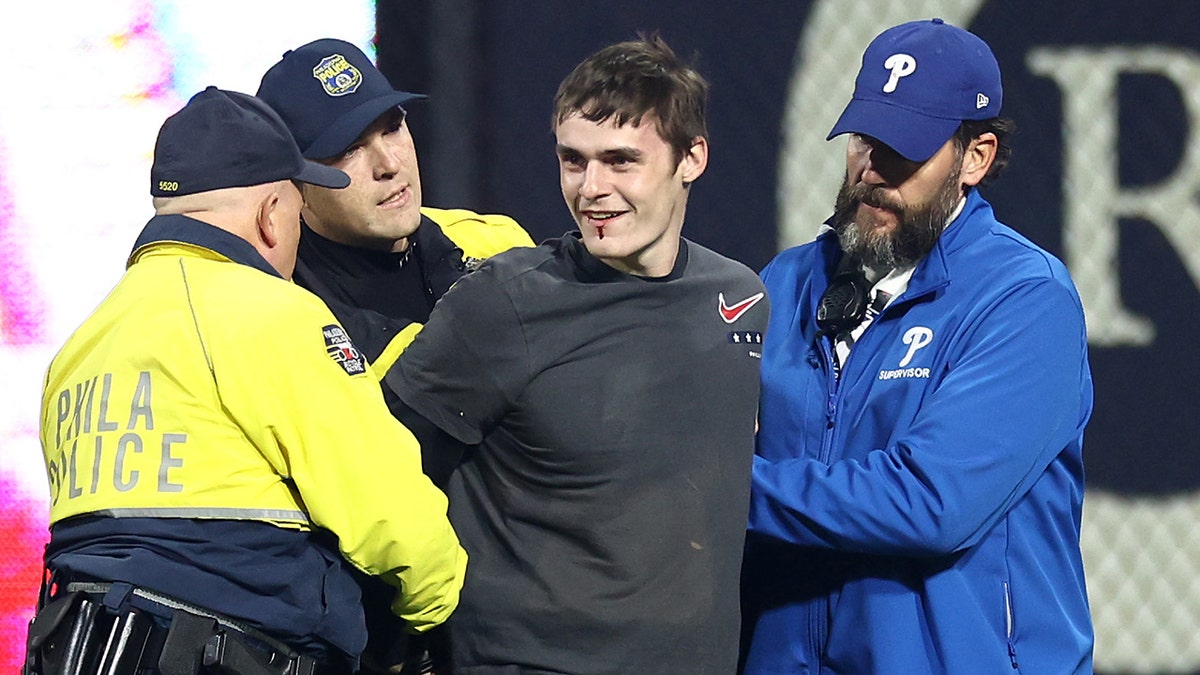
x=731, y=313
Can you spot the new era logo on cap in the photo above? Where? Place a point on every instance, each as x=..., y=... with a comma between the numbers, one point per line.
x=918, y=82
x=903, y=65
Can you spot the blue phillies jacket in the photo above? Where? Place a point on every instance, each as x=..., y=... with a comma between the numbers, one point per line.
x=921, y=513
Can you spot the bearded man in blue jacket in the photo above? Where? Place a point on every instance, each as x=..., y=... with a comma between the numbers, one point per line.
x=918, y=483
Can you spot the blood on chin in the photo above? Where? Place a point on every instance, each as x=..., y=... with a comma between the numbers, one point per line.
x=600, y=227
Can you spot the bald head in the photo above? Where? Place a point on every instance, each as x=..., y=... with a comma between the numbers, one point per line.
x=267, y=216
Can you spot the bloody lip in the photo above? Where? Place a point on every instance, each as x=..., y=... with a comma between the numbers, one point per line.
x=600, y=223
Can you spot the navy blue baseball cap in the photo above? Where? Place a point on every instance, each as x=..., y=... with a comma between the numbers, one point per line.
x=328, y=92
x=224, y=139
x=918, y=82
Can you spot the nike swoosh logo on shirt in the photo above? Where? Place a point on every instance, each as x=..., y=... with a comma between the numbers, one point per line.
x=731, y=313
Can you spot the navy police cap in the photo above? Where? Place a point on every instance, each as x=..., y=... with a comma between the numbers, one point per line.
x=328, y=92
x=225, y=139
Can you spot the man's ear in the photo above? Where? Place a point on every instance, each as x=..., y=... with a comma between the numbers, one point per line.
x=268, y=228
x=978, y=158
x=694, y=161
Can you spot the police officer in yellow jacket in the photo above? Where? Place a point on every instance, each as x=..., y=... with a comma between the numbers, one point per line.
x=218, y=451
x=373, y=252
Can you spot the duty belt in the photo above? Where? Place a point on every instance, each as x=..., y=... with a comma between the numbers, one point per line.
x=116, y=628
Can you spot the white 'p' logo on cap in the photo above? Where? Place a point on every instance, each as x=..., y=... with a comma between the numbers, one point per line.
x=901, y=65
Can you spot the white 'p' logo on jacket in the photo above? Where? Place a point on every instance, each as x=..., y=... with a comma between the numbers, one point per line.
x=916, y=338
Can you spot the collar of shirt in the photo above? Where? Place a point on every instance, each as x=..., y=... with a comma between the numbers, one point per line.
x=180, y=229
x=351, y=260
x=597, y=270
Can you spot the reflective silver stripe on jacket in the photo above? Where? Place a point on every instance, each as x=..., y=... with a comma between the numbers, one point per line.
x=224, y=513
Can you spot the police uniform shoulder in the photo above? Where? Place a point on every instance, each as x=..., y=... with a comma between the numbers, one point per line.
x=308, y=303
x=276, y=300
x=479, y=235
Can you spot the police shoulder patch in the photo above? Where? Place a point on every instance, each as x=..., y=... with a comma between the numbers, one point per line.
x=340, y=348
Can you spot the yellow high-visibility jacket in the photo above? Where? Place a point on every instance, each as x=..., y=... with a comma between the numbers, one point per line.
x=479, y=235
x=207, y=387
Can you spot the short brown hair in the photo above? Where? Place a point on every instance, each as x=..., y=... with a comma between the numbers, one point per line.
x=630, y=79
x=1002, y=127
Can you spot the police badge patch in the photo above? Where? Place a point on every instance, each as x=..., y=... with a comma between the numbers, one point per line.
x=337, y=75
x=342, y=350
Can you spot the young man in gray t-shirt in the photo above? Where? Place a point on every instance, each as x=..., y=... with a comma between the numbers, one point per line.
x=607, y=382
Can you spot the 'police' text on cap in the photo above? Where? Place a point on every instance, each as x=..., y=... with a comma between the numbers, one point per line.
x=328, y=92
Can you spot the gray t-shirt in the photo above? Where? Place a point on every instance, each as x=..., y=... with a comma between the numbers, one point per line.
x=604, y=509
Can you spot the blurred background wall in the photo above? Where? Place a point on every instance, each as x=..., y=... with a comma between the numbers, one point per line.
x=1106, y=174
x=90, y=82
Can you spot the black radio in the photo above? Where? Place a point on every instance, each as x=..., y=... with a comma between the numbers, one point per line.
x=844, y=303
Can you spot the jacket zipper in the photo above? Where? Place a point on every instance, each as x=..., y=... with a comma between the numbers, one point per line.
x=832, y=385
x=1008, y=626
x=819, y=617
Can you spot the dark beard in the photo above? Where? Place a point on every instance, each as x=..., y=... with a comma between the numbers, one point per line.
x=917, y=230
